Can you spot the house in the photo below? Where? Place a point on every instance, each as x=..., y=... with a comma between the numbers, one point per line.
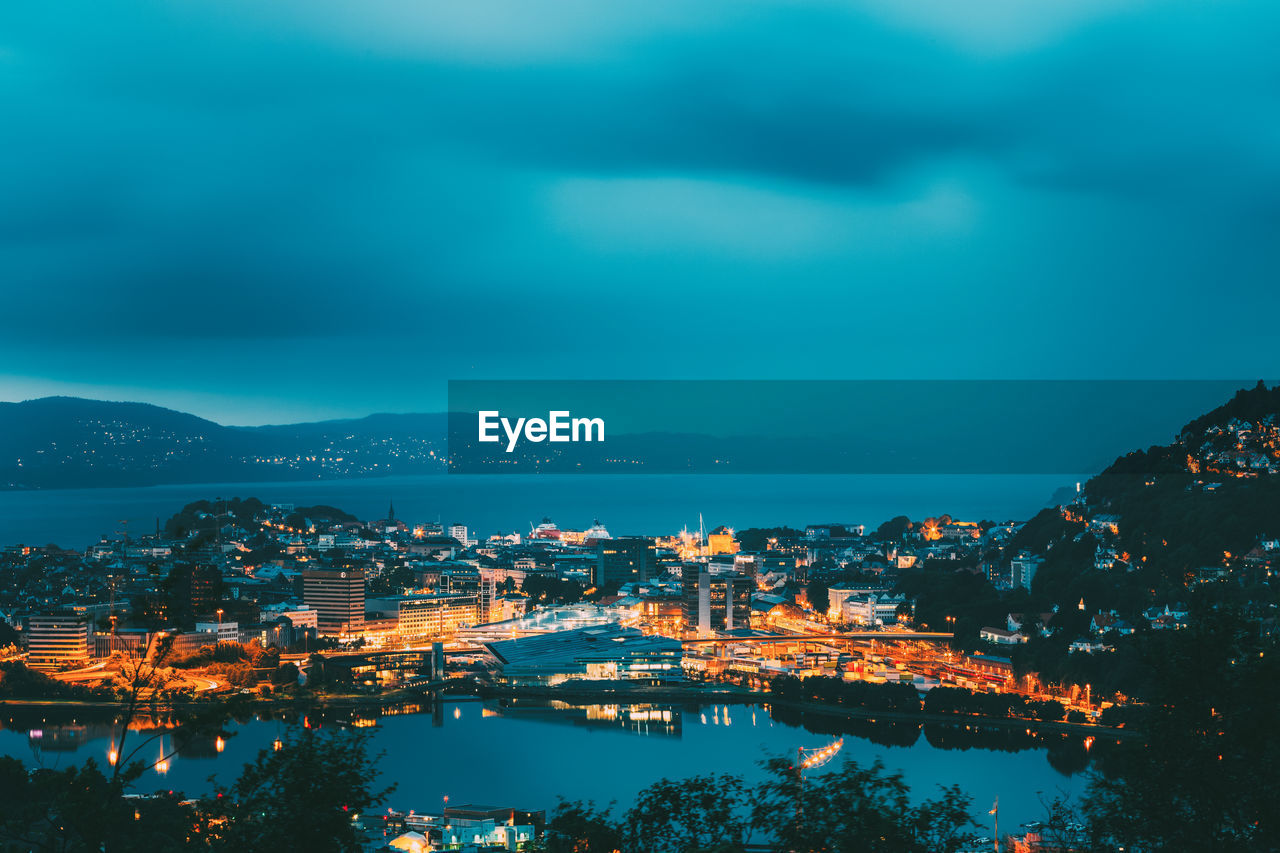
x=1015, y=622
x=1169, y=616
x=1001, y=637
x=1105, y=524
x=1109, y=621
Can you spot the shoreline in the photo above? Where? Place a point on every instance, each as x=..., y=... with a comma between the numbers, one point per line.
x=597, y=695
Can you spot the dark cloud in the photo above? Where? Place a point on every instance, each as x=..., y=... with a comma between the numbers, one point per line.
x=468, y=189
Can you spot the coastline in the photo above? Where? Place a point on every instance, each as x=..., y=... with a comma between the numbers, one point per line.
x=596, y=695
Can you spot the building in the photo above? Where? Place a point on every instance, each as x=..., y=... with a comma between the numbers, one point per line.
x=376, y=671
x=626, y=559
x=126, y=641
x=550, y=620
x=872, y=609
x=220, y=632
x=194, y=590
x=298, y=616
x=714, y=602
x=337, y=596
x=840, y=593
x=1001, y=637
x=423, y=616
x=721, y=541
x=1023, y=569
x=56, y=639
x=601, y=652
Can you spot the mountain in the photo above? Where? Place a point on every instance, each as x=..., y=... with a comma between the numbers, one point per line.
x=68, y=442
x=1161, y=520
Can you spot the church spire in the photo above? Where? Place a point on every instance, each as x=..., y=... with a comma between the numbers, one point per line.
x=391, y=512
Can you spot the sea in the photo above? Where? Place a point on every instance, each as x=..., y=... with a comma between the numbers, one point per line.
x=504, y=503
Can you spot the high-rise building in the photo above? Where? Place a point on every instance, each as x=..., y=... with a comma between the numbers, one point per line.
x=623, y=560
x=337, y=596
x=1023, y=569
x=459, y=532
x=194, y=590
x=57, y=638
x=714, y=602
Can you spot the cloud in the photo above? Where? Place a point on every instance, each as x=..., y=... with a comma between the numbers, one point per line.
x=477, y=185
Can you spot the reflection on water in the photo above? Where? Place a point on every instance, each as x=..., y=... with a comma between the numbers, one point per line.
x=48, y=731
x=643, y=719
x=606, y=752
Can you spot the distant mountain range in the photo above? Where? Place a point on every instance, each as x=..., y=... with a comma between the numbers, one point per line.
x=68, y=442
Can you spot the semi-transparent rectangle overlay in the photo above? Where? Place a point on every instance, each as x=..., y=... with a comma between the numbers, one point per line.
x=818, y=427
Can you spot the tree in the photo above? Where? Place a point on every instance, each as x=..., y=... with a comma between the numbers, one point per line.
x=819, y=595
x=81, y=809
x=286, y=673
x=701, y=813
x=578, y=827
x=303, y=796
x=893, y=529
x=858, y=810
x=1204, y=776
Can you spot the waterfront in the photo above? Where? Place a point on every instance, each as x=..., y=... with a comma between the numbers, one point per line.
x=526, y=754
x=75, y=518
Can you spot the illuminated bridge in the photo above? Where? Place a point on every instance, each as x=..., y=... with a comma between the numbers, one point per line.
x=882, y=636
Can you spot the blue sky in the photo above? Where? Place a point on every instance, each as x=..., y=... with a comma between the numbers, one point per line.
x=286, y=211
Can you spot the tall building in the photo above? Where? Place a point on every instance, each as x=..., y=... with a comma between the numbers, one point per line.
x=459, y=532
x=337, y=596
x=1023, y=569
x=714, y=602
x=427, y=616
x=57, y=638
x=194, y=590
x=626, y=559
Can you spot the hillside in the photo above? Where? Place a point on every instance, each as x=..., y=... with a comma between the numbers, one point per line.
x=1192, y=526
x=68, y=442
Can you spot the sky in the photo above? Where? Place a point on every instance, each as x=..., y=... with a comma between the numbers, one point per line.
x=271, y=212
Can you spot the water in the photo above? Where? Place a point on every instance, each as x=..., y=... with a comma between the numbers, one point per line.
x=525, y=756
x=627, y=504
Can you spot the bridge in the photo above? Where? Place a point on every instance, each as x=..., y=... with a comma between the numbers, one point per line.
x=882, y=636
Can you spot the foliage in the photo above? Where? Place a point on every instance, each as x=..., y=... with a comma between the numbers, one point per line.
x=1205, y=777
x=866, y=695
x=853, y=809
x=893, y=529
x=80, y=809
x=960, y=700
x=757, y=538
x=701, y=813
x=578, y=827
x=18, y=681
x=819, y=595
x=542, y=589
x=303, y=796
